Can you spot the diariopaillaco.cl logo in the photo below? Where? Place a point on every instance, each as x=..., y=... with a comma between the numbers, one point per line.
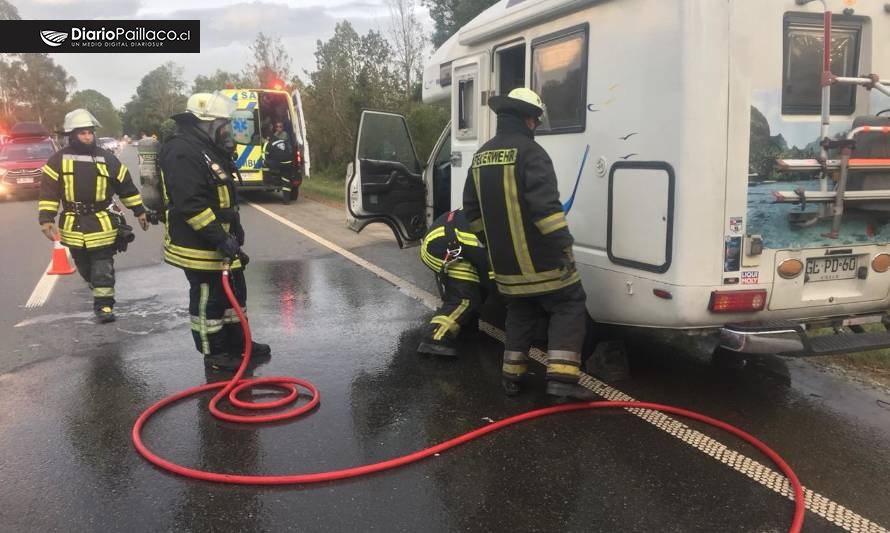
x=53, y=38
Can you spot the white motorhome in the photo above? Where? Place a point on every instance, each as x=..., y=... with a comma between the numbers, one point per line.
x=690, y=130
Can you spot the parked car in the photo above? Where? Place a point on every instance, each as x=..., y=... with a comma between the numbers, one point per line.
x=109, y=144
x=22, y=157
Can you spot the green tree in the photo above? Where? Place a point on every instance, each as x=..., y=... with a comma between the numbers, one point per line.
x=352, y=72
x=271, y=62
x=101, y=107
x=451, y=15
x=35, y=88
x=408, y=42
x=219, y=80
x=158, y=97
x=8, y=11
x=426, y=123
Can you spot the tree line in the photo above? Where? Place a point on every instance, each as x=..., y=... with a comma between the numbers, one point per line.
x=377, y=70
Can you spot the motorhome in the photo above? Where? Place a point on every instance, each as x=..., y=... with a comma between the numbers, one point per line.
x=257, y=112
x=718, y=187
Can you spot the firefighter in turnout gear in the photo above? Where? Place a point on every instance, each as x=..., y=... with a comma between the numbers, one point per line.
x=460, y=262
x=82, y=179
x=203, y=227
x=511, y=196
x=278, y=160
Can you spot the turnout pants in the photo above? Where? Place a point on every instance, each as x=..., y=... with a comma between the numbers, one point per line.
x=96, y=267
x=215, y=326
x=566, y=310
x=461, y=300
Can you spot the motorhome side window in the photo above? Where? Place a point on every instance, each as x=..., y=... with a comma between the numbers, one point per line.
x=559, y=75
x=802, y=65
x=466, y=120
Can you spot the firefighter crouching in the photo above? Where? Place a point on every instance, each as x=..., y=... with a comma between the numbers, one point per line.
x=461, y=265
x=511, y=195
x=82, y=179
x=204, y=232
x=278, y=158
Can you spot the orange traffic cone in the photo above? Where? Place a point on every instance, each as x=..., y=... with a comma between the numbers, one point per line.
x=61, y=265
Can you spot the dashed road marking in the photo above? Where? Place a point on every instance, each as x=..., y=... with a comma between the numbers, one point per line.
x=42, y=290
x=757, y=471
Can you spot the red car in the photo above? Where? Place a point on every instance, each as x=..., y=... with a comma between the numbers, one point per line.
x=22, y=156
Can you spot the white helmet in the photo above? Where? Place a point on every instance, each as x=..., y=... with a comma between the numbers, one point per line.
x=80, y=118
x=210, y=106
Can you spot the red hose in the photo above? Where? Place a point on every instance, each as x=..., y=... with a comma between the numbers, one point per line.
x=230, y=390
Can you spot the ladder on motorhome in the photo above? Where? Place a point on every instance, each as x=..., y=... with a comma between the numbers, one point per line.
x=832, y=202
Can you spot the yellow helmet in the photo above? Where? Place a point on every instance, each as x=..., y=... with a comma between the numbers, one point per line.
x=210, y=106
x=522, y=101
x=80, y=118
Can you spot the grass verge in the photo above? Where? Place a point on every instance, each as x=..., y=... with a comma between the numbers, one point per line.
x=324, y=187
x=875, y=364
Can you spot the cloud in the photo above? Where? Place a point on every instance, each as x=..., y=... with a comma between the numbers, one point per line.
x=228, y=27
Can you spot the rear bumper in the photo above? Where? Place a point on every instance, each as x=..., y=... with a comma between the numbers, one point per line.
x=791, y=338
x=782, y=340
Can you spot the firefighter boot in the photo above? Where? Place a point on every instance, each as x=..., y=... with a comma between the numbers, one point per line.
x=514, y=368
x=574, y=391
x=105, y=314
x=512, y=387
x=260, y=354
x=222, y=362
x=442, y=348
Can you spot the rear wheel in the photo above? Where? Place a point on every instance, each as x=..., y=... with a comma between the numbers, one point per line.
x=291, y=195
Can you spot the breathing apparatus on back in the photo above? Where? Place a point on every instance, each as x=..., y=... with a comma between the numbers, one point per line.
x=207, y=116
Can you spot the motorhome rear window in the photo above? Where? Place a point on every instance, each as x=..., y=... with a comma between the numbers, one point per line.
x=559, y=76
x=802, y=65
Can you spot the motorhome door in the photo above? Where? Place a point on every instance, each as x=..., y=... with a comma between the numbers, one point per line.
x=469, y=118
x=385, y=183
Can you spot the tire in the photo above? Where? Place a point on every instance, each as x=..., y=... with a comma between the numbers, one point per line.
x=295, y=193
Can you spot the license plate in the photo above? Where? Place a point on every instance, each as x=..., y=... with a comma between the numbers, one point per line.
x=831, y=268
x=21, y=181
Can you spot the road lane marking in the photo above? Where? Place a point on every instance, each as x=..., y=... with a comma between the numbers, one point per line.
x=755, y=470
x=42, y=290
x=428, y=299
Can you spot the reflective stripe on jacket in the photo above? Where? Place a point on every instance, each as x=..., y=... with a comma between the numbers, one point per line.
x=83, y=186
x=201, y=203
x=511, y=194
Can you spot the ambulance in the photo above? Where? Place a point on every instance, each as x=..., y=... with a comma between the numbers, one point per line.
x=257, y=111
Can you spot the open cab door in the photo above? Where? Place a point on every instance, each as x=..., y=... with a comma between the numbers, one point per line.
x=384, y=182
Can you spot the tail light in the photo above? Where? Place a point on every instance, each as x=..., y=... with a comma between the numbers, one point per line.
x=298, y=157
x=737, y=301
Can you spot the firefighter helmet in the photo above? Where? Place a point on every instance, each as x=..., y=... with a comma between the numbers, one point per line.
x=525, y=102
x=210, y=106
x=80, y=118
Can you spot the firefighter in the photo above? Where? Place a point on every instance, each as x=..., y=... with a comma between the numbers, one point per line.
x=511, y=197
x=461, y=265
x=82, y=179
x=278, y=161
x=204, y=234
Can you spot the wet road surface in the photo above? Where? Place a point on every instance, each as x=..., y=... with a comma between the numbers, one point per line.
x=72, y=389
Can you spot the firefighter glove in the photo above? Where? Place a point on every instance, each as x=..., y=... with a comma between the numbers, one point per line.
x=229, y=247
x=244, y=258
x=49, y=229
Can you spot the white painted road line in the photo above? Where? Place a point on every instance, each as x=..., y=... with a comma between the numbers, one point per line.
x=42, y=290
x=757, y=471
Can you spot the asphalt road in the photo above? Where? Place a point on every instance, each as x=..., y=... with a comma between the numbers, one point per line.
x=71, y=389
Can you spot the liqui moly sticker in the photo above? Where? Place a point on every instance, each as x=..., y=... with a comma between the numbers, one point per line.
x=751, y=277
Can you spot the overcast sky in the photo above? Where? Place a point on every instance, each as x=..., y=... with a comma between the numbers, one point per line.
x=227, y=28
